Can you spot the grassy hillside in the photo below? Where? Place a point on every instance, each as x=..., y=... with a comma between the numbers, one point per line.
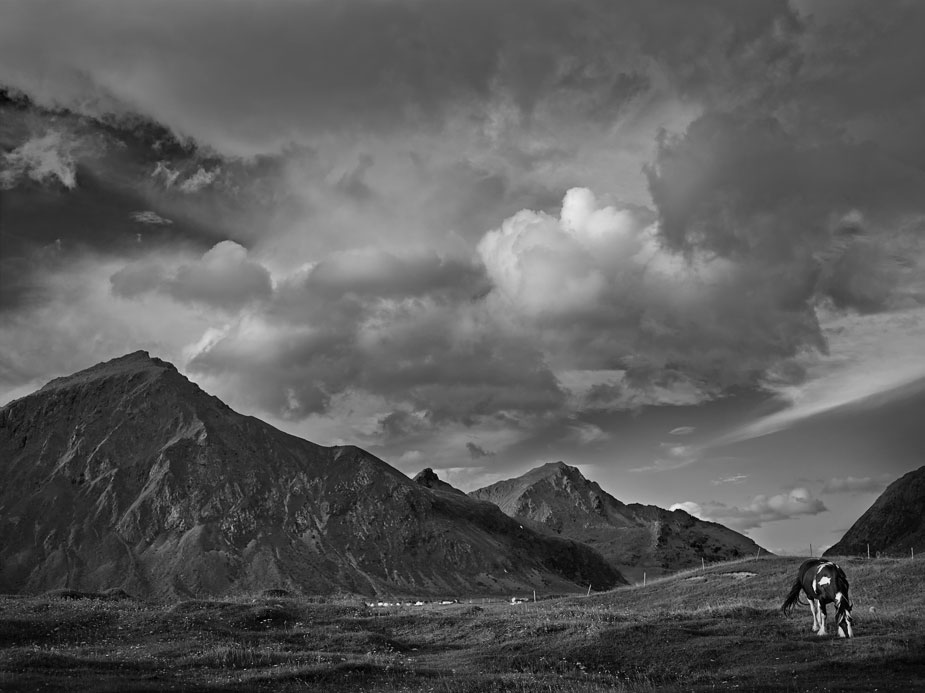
x=699, y=630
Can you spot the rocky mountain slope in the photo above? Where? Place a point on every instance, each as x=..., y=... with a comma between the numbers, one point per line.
x=128, y=475
x=634, y=538
x=893, y=525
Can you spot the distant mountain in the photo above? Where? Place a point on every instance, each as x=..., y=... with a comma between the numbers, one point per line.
x=128, y=475
x=893, y=525
x=634, y=538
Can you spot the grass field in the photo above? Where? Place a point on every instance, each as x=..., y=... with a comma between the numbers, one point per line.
x=713, y=629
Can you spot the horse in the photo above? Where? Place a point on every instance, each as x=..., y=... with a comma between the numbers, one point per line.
x=823, y=582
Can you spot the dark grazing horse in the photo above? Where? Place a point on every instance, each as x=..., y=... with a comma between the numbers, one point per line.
x=823, y=582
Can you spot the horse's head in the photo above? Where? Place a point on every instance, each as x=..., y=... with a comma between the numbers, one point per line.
x=842, y=605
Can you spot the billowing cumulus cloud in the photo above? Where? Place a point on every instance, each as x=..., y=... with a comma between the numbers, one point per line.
x=599, y=289
x=760, y=510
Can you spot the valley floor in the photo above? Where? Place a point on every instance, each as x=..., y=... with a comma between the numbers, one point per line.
x=713, y=629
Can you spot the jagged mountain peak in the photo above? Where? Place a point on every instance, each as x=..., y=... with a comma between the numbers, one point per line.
x=558, y=498
x=558, y=469
x=564, y=476
x=554, y=493
x=127, y=365
x=556, y=480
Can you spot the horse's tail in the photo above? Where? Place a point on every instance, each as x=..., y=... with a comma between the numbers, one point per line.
x=792, y=598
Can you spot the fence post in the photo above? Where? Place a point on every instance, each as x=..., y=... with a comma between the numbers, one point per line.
x=868, y=552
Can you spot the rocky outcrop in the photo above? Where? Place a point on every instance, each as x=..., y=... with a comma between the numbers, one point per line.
x=428, y=478
x=893, y=526
x=127, y=475
x=558, y=499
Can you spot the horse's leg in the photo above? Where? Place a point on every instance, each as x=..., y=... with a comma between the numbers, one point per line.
x=821, y=619
x=813, y=605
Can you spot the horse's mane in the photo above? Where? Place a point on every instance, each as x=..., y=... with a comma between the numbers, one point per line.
x=841, y=584
x=841, y=580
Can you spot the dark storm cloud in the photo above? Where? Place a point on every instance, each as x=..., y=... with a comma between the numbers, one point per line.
x=741, y=185
x=401, y=139
x=357, y=64
x=761, y=219
x=245, y=80
x=862, y=71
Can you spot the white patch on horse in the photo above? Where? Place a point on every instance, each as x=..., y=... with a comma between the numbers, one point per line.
x=825, y=580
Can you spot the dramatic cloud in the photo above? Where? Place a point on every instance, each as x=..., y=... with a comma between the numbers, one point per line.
x=598, y=289
x=860, y=363
x=324, y=334
x=440, y=229
x=42, y=159
x=223, y=277
x=760, y=510
x=322, y=66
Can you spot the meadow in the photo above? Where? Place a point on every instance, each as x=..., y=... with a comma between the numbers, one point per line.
x=714, y=629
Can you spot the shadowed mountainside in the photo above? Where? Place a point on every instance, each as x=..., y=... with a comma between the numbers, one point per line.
x=558, y=499
x=893, y=525
x=128, y=475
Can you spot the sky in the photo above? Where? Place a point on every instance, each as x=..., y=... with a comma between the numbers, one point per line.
x=678, y=245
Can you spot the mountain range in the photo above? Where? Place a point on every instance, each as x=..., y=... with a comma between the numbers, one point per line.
x=127, y=475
